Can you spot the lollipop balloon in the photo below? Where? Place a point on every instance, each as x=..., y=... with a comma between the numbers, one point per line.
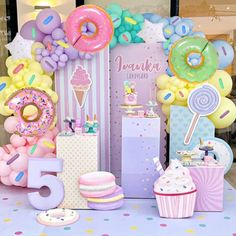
x=202, y=101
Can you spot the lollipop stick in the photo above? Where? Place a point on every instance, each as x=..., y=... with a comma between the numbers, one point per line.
x=191, y=128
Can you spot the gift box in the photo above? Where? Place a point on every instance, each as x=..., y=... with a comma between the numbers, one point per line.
x=97, y=100
x=80, y=154
x=209, y=181
x=140, y=144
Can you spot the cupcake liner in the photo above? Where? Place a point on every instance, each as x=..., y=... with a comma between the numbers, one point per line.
x=176, y=205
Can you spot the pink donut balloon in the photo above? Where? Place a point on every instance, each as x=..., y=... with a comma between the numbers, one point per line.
x=42, y=101
x=89, y=14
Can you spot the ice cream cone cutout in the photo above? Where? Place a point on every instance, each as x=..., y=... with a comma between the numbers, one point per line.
x=81, y=83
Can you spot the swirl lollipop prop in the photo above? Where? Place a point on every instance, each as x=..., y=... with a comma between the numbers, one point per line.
x=202, y=101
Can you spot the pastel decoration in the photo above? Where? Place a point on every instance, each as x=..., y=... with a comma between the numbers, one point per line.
x=202, y=101
x=222, y=81
x=20, y=47
x=174, y=187
x=42, y=101
x=152, y=33
x=125, y=38
x=174, y=20
x=209, y=181
x=17, y=141
x=97, y=184
x=47, y=20
x=31, y=31
x=168, y=31
x=35, y=180
x=61, y=43
x=5, y=169
x=225, y=115
x=10, y=124
x=222, y=152
x=183, y=69
x=165, y=96
x=81, y=83
x=18, y=178
x=58, y=217
x=96, y=16
x=109, y=202
x=182, y=29
x=225, y=52
x=180, y=118
x=79, y=149
x=114, y=8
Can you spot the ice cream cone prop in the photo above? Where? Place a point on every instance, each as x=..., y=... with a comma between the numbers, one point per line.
x=81, y=83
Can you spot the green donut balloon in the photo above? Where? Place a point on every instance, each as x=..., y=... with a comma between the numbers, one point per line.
x=193, y=59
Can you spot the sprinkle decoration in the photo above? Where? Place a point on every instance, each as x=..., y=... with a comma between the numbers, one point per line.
x=181, y=94
x=33, y=33
x=48, y=144
x=221, y=83
x=224, y=114
x=6, y=149
x=47, y=20
x=31, y=80
x=2, y=86
x=130, y=20
x=18, y=68
x=13, y=159
x=19, y=176
x=125, y=37
x=33, y=149
x=64, y=45
x=224, y=51
x=49, y=46
x=168, y=95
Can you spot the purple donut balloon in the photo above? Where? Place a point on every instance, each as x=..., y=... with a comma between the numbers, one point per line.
x=30, y=31
x=47, y=20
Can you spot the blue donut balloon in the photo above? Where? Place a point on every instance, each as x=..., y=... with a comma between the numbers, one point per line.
x=225, y=53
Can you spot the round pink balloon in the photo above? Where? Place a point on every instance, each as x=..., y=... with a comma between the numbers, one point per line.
x=5, y=180
x=2, y=152
x=55, y=131
x=35, y=151
x=4, y=168
x=32, y=140
x=22, y=150
x=50, y=155
x=49, y=134
x=10, y=124
x=17, y=141
x=20, y=164
x=47, y=145
x=7, y=157
x=18, y=178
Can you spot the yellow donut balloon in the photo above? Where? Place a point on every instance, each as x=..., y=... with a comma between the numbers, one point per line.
x=165, y=96
x=222, y=81
x=225, y=115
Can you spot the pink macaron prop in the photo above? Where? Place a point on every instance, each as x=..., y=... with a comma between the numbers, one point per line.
x=97, y=184
x=111, y=201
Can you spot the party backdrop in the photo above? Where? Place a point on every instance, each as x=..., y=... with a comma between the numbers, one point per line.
x=97, y=101
x=141, y=63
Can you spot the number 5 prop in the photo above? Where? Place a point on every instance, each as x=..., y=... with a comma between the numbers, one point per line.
x=36, y=166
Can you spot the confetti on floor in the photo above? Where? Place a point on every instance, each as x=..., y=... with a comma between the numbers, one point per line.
x=137, y=217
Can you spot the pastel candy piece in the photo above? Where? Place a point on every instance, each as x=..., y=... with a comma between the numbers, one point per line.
x=168, y=31
x=175, y=20
x=109, y=202
x=48, y=64
x=182, y=29
x=125, y=38
x=97, y=184
x=116, y=20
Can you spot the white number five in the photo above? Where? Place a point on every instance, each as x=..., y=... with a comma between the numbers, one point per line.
x=36, y=166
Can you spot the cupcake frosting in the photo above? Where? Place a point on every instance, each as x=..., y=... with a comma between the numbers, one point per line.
x=176, y=179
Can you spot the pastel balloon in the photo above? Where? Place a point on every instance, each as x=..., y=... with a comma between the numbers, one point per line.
x=114, y=8
x=166, y=109
x=222, y=81
x=162, y=81
x=22, y=150
x=225, y=52
x=17, y=141
x=10, y=124
x=168, y=31
x=5, y=180
x=47, y=20
x=30, y=31
x=32, y=140
x=5, y=169
x=35, y=151
x=46, y=144
x=50, y=155
x=19, y=164
x=165, y=96
x=18, y=178
x=182, y=29
x=225, y=115
x=181, y=94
